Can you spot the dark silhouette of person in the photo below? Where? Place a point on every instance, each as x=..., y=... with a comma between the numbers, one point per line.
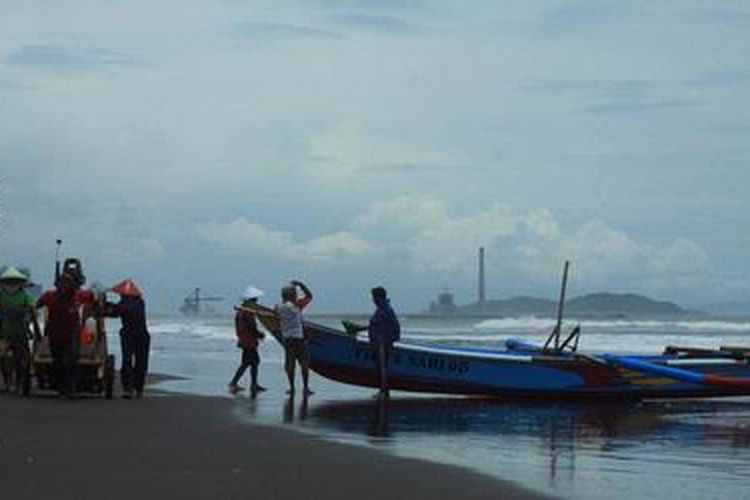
x=135, y=340
x=383, y=331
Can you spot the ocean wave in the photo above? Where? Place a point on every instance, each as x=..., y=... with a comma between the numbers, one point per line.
x=657, y=326
x=192, y=330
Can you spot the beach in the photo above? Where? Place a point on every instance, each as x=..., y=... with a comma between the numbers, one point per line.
x=182, y=446
x=189, y=438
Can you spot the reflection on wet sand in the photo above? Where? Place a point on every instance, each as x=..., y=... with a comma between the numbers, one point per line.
x=572, y=421
x=288, y=414
x=565, y=431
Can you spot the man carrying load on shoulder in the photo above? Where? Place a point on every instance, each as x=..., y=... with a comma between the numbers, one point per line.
x=17, y=310
x=293, y=333
x=248, y=335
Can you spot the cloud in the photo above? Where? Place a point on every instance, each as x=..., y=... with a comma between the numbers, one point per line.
x=529, y=245
x=65, y=58
x=245, y=238
x=340, y=245
x=129, y=251
x=575, y=18
x=347, y=150
x=255, y=29
x=403, y=214
x=684, y=262
x=433, y=238
x=377, y=23
x=7, y=84
x=620, y=96
x=636, y=105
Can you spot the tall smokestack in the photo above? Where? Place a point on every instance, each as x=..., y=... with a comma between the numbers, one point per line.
x=481, y=276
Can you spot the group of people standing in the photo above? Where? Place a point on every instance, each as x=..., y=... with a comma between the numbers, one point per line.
x=383, y=330
x=69, y=308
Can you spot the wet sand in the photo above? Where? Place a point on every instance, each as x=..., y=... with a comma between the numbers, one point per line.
x=175, y=446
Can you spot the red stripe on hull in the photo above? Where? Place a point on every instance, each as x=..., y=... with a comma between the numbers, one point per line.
x=366, y=378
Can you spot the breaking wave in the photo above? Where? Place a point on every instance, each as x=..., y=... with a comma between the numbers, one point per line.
x=652, y=326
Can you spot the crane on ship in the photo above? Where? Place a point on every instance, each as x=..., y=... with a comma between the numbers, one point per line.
x=191, y=305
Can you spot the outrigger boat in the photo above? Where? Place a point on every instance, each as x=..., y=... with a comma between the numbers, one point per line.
x=555, y=370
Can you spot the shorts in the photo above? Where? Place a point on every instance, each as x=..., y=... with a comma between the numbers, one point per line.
x=297, y=349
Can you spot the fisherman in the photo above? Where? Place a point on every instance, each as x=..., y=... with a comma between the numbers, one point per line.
x=293, y=333
x=17, y=310
x=248, y=335
x=62, y=330
x=383, y=331
x=135, y=340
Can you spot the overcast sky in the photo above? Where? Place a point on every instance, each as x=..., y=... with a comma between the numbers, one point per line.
x=220, y=144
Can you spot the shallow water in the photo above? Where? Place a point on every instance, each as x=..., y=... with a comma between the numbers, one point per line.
x=685, y=449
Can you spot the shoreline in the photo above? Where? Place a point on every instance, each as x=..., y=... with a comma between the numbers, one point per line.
x=188, y=446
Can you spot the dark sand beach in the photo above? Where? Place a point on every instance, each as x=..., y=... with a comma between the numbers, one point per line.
x=175, y=446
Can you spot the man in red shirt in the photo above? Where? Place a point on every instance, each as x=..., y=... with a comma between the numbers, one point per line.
x=62, y=329
x=246, y=328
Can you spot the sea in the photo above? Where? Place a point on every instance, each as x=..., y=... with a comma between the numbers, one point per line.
x=665, y=448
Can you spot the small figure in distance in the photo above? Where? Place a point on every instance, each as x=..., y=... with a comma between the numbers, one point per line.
x=134, y=337
x=248, y=335
x=383, y=331
x=292, y=330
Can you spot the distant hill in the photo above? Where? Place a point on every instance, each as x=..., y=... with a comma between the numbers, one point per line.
x=595, y=305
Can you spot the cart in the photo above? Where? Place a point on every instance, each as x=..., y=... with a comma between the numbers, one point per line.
x=95, y=367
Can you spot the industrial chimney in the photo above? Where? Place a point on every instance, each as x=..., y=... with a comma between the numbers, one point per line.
x=481, y=277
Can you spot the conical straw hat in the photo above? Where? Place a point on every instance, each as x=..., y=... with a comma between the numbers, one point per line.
x=127, y=288
x=12, y=274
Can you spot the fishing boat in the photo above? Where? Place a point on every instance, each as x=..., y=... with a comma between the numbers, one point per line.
x=555, y=370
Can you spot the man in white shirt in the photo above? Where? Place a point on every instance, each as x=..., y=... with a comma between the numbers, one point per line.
x=293, y=332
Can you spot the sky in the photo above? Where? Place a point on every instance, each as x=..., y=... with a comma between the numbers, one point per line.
x=351, y=144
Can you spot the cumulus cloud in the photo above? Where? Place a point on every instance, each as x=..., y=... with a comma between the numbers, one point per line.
x=404, y=213
x=529, y=245
x=246, y=238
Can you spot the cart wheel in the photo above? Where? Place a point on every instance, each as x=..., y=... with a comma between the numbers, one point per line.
x=109, y=376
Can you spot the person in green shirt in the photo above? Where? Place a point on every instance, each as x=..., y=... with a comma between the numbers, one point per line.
x=17, y=311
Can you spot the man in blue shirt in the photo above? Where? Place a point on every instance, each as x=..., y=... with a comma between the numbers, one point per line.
x=383, y=331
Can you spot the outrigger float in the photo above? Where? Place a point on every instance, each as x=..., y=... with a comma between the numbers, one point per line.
x=553, y=371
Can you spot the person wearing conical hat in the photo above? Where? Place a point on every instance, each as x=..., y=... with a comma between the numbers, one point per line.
x=135, y=340
x=17, y=311
x=248, y=335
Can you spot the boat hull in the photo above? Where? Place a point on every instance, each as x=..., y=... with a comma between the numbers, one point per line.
x=510, y=374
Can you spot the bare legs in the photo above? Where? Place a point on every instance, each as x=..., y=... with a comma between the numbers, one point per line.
x=297, y=352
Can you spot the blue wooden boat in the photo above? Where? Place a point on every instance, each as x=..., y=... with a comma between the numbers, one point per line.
x=555, y=370
x=522, y=370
